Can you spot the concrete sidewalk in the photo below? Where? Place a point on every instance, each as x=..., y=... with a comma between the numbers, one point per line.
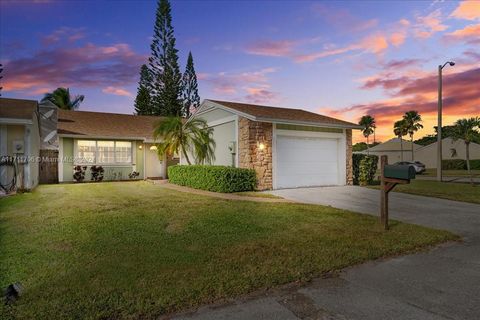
x=443, y=283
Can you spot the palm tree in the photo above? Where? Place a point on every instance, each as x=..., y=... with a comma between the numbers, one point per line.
x=412, y=121
x=400, y=130
x=368, y=125
x=178, y=137
x=467, y=129
x=62, y=99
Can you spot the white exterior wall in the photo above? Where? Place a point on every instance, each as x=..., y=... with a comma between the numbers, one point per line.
x=154, y=166
x=32, y=140
x=225, y=133
x=428, y=154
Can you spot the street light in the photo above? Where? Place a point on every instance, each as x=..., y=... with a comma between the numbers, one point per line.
x=439, y=125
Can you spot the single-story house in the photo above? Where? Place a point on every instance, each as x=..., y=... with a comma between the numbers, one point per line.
x=19, y=143
x=120, y=143
x=288, y=148
x=393, y=149
x=451, y=150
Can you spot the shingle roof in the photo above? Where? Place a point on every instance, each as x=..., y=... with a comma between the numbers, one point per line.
x=100, y=124
x=17, y=108
x=278, y=114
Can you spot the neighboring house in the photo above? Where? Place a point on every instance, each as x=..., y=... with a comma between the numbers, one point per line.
x=393, y=150
x=120, y=143
x=450, y=150
x=288, y=148
x=20, y=139
x=425, y=154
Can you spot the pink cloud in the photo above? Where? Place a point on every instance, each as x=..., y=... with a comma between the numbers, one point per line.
x=86, y=66
x=376, y=43
x=63, y=33
x=428, y=25
x=468, y=10
x=461, y=99
x=398, y=38
x=116, y=91
x=469, y=34
x=253, y=84
x=281, y=48
x=260, y=95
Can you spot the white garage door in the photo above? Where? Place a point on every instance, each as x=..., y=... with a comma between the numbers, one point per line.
x=303, y=162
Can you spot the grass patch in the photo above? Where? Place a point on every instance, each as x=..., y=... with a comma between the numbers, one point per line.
x=257, y=194
x=445, y=190
x=136, y=250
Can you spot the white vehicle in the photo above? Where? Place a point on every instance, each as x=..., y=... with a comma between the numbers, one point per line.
x=417, y=165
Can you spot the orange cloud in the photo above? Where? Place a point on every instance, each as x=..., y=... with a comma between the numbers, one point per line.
x=461, y=99
x=468, y=10
x=398, y=38
x=376, y=44
x=469, y=34
x=116, y=91
x=428, y=25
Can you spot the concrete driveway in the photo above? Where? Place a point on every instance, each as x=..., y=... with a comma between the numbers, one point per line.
x=443, y=283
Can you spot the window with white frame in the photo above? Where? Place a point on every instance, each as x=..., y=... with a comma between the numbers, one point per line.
x=123, y=151
x=103, y=152
x=86, y=151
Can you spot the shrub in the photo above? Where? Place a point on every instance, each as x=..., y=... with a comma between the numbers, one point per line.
x=79, y=173
x=460, y=164
x=474, y=164
x=96, y=173
x=213, y=178
x=369, y=168
x=454, y=164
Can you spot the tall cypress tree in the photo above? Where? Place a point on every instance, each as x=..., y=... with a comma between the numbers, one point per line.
x=166, y=76
x=191, y=99
x=143, y=101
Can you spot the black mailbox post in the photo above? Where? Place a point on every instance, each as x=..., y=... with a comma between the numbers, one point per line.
x=390, y=176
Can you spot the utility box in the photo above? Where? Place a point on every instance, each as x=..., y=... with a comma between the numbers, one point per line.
x=404, y=172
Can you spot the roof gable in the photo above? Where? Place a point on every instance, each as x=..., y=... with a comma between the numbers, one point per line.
x=106, y=125
x=394, y=145
x=275, y=114
x=17, y=108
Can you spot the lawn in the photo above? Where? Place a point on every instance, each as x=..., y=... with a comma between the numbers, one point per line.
x=136, y=250
x=445, y=190
x=257, y=194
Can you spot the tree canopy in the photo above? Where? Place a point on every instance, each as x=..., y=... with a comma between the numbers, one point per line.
x=166, y=77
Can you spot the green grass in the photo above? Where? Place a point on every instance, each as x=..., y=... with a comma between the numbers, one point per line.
x=136, y=250
x=257, y=194
x=450, y=173
x=445, y=190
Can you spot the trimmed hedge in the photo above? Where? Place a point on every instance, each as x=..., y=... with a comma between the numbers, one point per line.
x=364, y=171
x=460, y=164
x=213, y=178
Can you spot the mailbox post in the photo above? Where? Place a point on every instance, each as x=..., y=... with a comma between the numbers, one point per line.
x=390, y=176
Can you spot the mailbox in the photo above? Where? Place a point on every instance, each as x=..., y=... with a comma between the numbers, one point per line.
x=404, y=172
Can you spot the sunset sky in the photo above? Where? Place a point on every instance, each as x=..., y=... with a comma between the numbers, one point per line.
x=343, y=59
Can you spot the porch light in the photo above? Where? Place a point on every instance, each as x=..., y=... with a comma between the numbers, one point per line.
x=153, y=148
x=140, y=147
x=261, y=146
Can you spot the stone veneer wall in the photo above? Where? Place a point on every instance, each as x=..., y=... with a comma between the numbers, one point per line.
x=349, y=157
x=250, y=135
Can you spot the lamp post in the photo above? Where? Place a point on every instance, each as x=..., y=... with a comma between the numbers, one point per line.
x=439, y=125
